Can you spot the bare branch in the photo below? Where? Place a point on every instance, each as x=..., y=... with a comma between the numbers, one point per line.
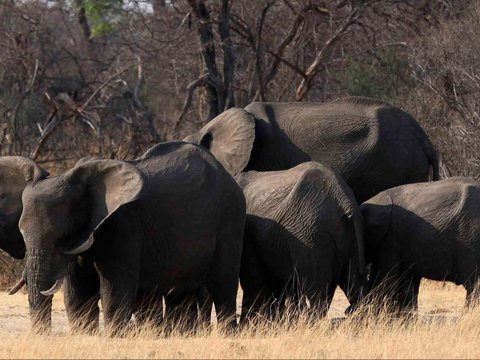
x=201, y=81
x=312, y=70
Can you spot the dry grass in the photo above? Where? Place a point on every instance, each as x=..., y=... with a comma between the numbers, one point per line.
x=440, y=331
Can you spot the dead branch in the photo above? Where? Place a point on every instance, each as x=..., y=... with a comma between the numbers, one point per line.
x=201, y=81
x=138, y=85
x=27, y=92
x=53, y=121
x=314, y=67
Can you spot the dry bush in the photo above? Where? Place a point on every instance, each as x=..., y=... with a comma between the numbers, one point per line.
x=445, y=64
x=10, y=270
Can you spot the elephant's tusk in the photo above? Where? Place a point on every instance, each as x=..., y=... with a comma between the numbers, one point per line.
x=81, y=248
x=54, y=288
x=17, y=287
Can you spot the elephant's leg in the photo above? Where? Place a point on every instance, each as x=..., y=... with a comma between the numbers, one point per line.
x=189, y=311
x=259, y=290
x=408, y=292
x=118, y=296
x=320, y=300
x=383, y=284
x=118, y=291
x=224, y=295
x=258, y=303
x=118, y=265
x=205, y=305
x=150, y=309
x=353, y=284
x=222, y=283
x=81, y=295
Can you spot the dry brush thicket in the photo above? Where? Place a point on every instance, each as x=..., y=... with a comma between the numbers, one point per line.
x=155, y=73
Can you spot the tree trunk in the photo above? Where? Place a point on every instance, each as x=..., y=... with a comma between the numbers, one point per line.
x=228, y=56
x=213, y=85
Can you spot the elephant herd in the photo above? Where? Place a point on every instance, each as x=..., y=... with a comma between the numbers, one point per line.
x=290, y=199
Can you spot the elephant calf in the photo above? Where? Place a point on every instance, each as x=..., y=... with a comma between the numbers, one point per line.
x=303, y=235
x=425, y=230
x=167, y=223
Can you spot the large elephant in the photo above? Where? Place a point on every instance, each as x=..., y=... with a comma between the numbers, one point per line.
x=424, y=230
x=371, y=144
x=123, y=232
x=15, y=173
x=303, y=236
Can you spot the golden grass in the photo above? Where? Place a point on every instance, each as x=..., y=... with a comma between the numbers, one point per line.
x=440, y=331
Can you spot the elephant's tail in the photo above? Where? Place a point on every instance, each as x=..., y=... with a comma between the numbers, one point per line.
x=360, y=239
x=432, y=157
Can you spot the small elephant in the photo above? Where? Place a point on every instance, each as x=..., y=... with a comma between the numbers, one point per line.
x=303, y=236
x=15, y=173
x=425, y=230
x=130, y=232
x=372, y=145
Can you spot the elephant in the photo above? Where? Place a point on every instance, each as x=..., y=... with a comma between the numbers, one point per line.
x=15, y=173
x=167, y=223
x=423, y=230
x=303, y=236
x=372, y=145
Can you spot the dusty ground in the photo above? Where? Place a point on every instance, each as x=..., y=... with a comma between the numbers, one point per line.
x=14, y=312
x=441, y=330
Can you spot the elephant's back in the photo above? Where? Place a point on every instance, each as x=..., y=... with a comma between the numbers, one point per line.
x=437, y=226
x=371, y=144
x=309, y=191
x=335, y=133
x=440, y=201
x=265, y=190
x=179, y=172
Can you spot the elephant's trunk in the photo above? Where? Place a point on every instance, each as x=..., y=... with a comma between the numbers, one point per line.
x=38, y=271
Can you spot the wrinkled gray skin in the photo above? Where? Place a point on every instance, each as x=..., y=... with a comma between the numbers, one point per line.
x=15, y=173
x=372, y=145
x=128, y=233
x=303, y=235
x=425, y=230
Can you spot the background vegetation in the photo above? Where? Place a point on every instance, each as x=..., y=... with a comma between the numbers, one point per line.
x=112, y=77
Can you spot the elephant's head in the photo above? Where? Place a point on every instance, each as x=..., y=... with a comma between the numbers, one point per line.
x=15, y=173
x=377, y=214
x=229, y=137
x=60, y=218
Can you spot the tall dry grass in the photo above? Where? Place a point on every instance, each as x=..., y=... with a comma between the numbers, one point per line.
x=441, y=330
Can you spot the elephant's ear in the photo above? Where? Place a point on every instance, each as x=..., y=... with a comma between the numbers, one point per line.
x=15, y=173
x=377, y=214
x=20, y=171
x=229, y=137
x=107, y=185
x=85, y=159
